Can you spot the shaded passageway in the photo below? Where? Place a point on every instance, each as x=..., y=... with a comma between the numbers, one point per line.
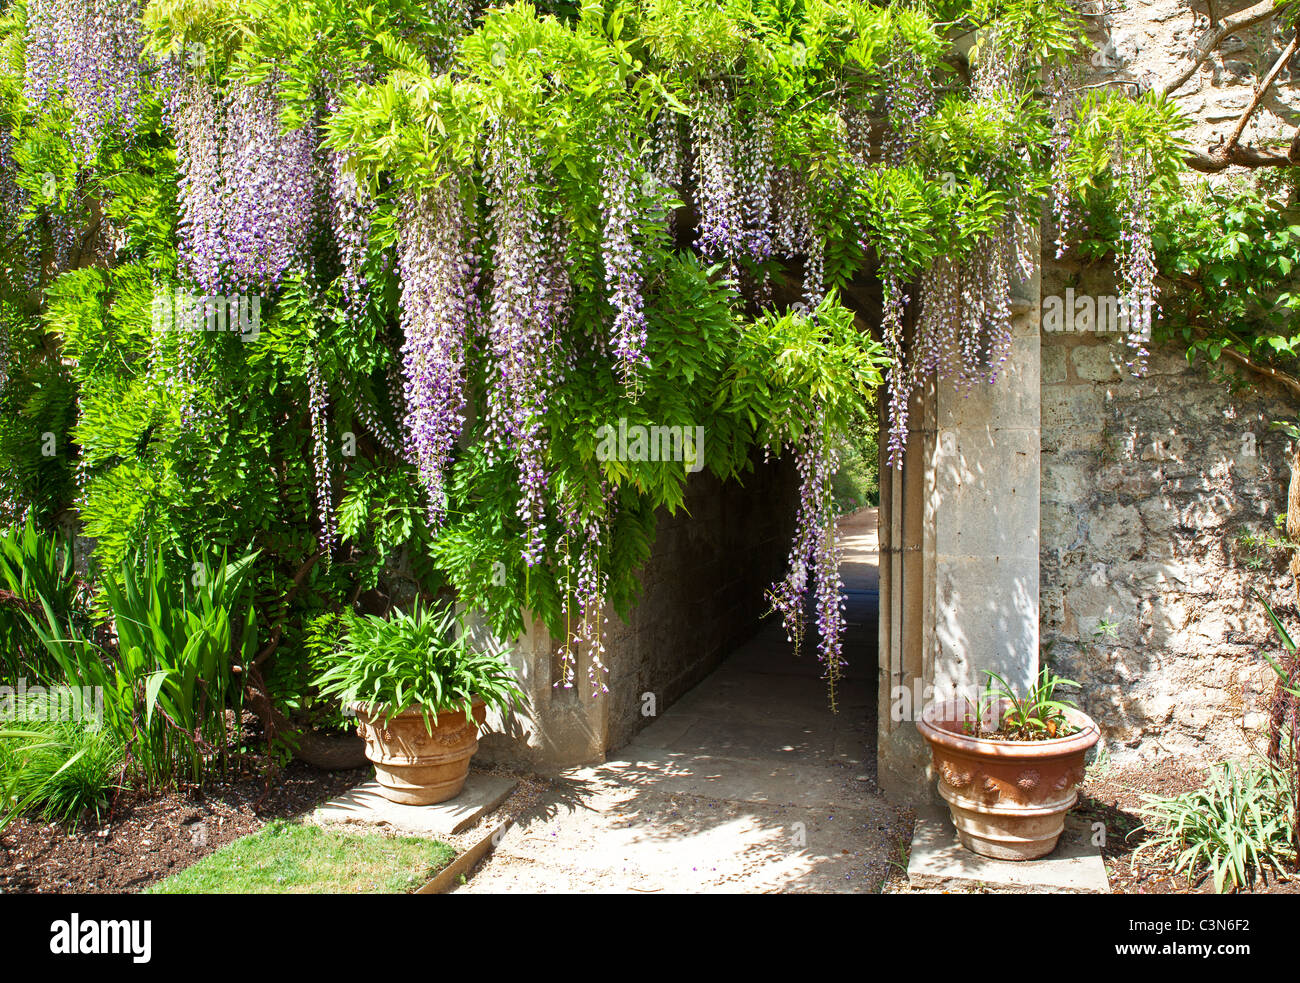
x=747, y=783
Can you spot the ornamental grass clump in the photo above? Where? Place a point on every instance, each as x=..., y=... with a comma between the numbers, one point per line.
x=59, y=768
x=423, y=660
x=1237, y=828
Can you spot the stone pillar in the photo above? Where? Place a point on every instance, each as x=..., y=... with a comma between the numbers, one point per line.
x=959, y=549
x=906, y=603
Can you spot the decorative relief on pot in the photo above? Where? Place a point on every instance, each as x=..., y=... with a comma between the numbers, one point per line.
x=955, y=777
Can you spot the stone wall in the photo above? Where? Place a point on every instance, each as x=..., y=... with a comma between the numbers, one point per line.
x=702, y=597
x=1150, y=485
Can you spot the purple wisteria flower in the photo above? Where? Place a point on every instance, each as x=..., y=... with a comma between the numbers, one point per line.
x=439, y=309
x=89, y=50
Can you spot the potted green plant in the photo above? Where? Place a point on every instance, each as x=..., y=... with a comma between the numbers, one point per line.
x=421, y=692
x=1009, y=768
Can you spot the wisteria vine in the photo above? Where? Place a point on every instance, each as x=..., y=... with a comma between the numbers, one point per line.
x=90, y=50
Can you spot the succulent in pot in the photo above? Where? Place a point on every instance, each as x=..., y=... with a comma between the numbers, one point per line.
x=1010, y=767
x=421, y=692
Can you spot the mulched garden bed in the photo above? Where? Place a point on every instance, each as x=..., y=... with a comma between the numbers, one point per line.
x=146, y=838
x=1113, y=795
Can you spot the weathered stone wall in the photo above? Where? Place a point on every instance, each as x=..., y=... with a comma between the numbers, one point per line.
x=1149, y=485
x=1143, y=41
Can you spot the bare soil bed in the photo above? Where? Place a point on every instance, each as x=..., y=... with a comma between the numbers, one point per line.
x=143, y=838
x=1114, y=795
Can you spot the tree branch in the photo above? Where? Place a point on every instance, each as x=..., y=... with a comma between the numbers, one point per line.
x=1231, y=152
x=1211, y=39
x=1263, y=88
x=1288, y=382
x=1221, y=158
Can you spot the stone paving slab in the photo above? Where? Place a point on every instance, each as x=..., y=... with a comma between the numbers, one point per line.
x=363, y=804
x=735, y=779
x=939, y=862
x=652, y=842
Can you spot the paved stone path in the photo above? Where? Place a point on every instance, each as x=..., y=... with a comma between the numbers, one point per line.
x=748, y=783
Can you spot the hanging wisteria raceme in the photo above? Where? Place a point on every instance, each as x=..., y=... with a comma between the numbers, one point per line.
x=814, y=558
x=756, y=170
x=270, y=187
x=1022, y=240
x=191, y=110
x=622, y=258
x=666, y=159
x=583, y=533
x=90, y=50
x=439, y=310
x=247, y=191
x=791, y=214
x=909, y=98
x=857, y=129
x=1135, y=257
x=530, y=292
x=369, y=417
x=795, y=235
x=988, y=305
x=814, y=272
x=1064, y=215
x=718, y=182
x=999, y=69
x=901, y=378
x=351, y=212
x=962, y=329
x=938, y=320
x=318, y=402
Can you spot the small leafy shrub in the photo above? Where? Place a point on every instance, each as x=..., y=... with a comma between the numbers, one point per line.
x=1236, y=828
x=1039, y=716
x=421, y=660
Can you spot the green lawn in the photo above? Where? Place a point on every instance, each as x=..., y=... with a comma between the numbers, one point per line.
x=296, y=858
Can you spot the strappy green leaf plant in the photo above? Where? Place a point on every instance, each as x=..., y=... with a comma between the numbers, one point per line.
x=169, y=686
x=423, y=660
x=1038, y=716
x=1236, y=828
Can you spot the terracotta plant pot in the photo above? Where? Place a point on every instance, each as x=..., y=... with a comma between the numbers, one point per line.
x=1008, y=799
x=413, y=766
